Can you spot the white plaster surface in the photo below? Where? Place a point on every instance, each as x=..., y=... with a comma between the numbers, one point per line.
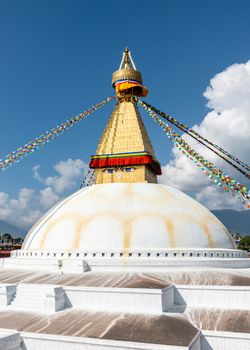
x=208, y=340
x=228, y=297
x=35, y=341
x=133, y=300
x=128, y=216
x=225, y=341
x=51, y=298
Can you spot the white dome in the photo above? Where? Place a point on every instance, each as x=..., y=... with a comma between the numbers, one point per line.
x=130, y=216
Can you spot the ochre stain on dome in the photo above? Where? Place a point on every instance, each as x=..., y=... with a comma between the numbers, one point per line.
x=209, y=236
x=190, y=219
x=167, y=195
x=82, y=222
x=203, y=222
x=227, y=233
x=127, y=235
x=79, y=222
x=127, y=223
x=45, y=234
x=170, y=232
x=77, y=238
x=74, y=218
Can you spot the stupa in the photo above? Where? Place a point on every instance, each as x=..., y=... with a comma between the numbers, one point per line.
x=126, y=263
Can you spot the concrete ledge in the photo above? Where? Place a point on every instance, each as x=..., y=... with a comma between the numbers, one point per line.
x=207, y=340
x=133, y=300
x=228, y=297
x=154, y=264
x=74, y=265
x=211, y=340
x=37, y=264
x=52, y=298
x=34, y=341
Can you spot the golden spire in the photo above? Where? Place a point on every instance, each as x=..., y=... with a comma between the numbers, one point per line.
x=125, y=152
x=127, y=61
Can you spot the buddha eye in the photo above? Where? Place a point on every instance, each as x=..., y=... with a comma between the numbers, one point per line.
x=128, y=170
x=110, y=171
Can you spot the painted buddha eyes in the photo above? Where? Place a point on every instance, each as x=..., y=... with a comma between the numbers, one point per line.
x=128, y=169
x=113, y=170
x=110, y=171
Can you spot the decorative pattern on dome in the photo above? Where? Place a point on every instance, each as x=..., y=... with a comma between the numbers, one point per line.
x=126, y=217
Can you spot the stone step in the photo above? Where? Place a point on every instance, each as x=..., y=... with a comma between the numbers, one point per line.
x=34, y=297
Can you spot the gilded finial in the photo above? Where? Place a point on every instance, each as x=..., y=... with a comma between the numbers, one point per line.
x=127, y=80
x=127, y=61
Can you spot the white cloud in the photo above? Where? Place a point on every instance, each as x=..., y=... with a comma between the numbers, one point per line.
x=29, y=205
x=213, y=199
x=228, y=125
x=68, y=173
x=22, y=210
x=48, y=197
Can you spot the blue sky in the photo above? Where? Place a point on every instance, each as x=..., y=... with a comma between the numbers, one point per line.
x=57, y=58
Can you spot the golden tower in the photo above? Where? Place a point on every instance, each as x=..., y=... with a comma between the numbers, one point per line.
x=125, y=152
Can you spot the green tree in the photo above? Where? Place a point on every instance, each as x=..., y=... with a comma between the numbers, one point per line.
x=245, y=243
x=7, y=237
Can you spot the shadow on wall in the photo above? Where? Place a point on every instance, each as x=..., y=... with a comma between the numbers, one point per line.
x=179, y=301
x=205, y=344
x=67, y=302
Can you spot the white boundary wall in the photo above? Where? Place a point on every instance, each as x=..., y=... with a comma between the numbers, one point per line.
x=133, y=300
x=35, y=341
x=207, y=340
x=51, y=298
x=228, y=297
x=211, y=340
